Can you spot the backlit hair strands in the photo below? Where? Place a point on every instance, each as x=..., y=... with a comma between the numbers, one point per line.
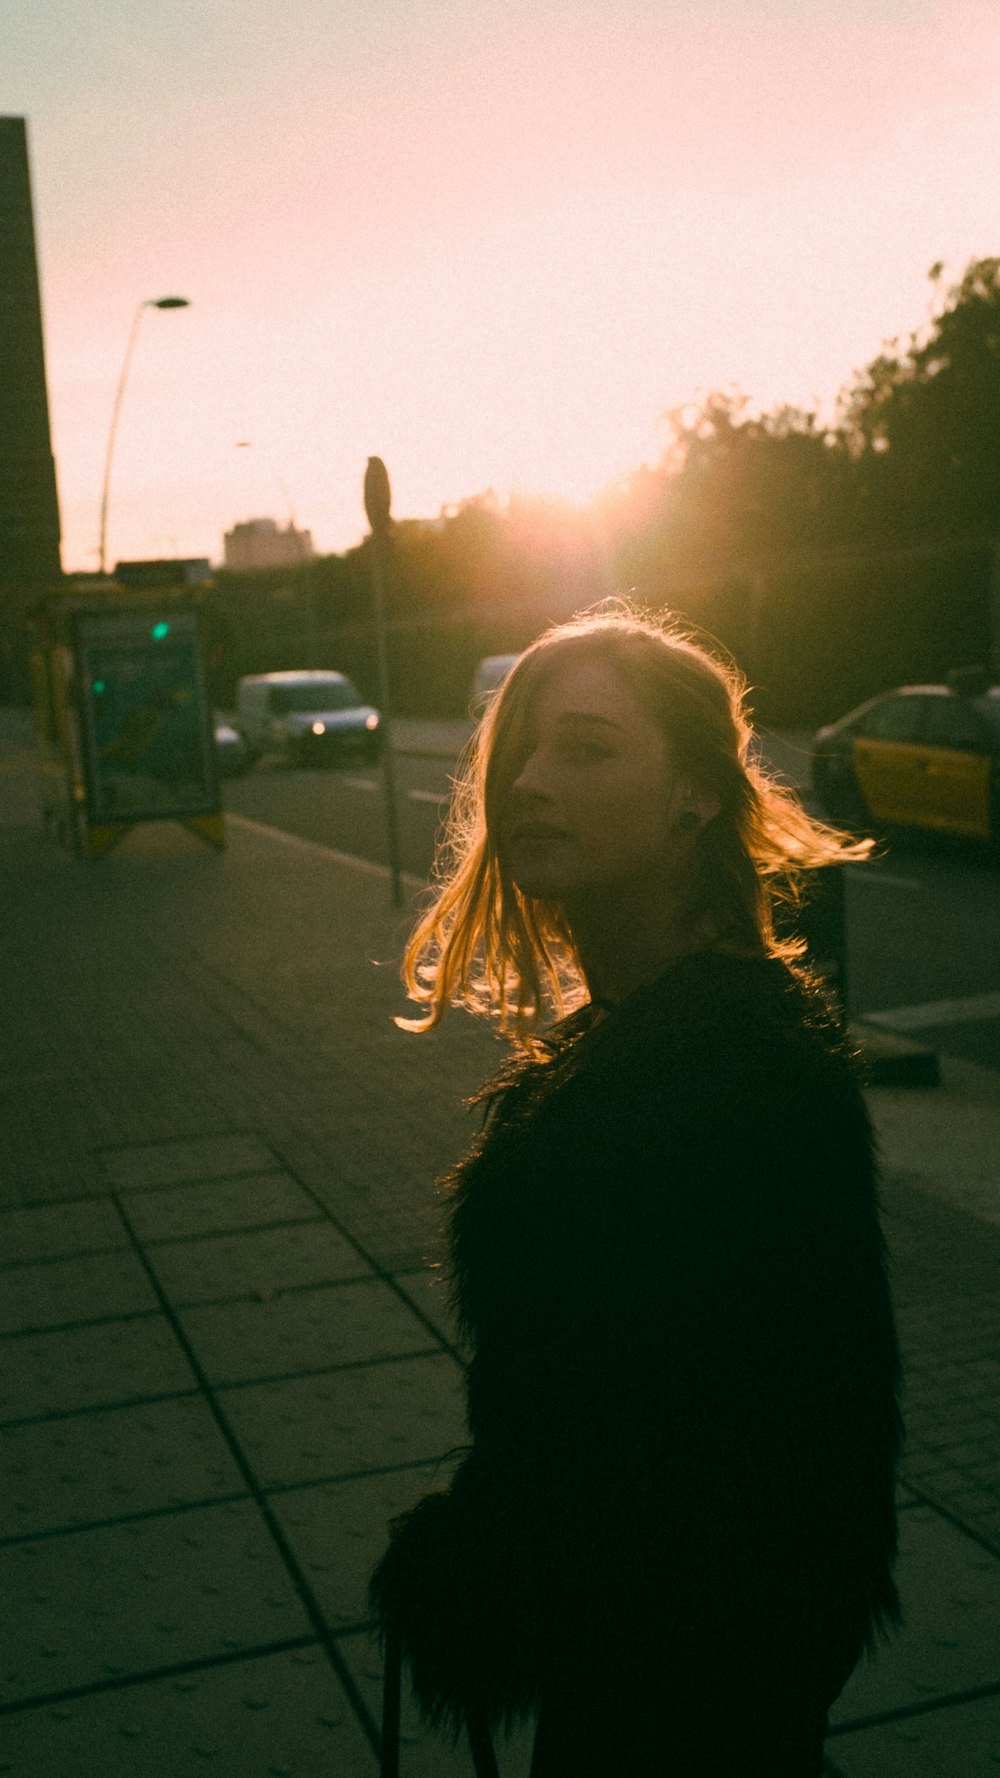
x=482, y=944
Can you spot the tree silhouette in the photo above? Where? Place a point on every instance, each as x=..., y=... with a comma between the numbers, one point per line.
x=921, y=423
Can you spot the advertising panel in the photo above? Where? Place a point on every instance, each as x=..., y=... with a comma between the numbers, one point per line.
x=145, y=722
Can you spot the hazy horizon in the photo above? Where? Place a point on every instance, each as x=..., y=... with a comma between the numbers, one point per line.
x=490, y=247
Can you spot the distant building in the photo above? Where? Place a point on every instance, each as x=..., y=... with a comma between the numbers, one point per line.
x=262, y=543
x=29, y=509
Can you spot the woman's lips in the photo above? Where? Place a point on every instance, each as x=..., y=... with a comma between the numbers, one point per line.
x=536, y=833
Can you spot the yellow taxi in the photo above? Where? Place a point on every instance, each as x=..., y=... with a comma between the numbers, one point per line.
x=924, y=756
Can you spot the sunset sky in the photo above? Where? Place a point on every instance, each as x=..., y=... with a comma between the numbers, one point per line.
x=490, y=243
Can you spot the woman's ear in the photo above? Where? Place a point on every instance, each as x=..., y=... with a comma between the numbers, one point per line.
x=698, y=808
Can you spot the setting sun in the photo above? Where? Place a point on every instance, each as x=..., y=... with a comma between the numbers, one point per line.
x=495, y=252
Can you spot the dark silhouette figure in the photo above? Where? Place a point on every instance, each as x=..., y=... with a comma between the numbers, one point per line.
x=672, y=1534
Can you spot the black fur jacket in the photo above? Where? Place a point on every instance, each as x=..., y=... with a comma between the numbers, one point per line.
x=682, y=1393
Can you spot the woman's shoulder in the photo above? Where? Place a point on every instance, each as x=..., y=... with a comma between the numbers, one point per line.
x=721, y=980
x=714, y=1029
x=554, y=1056
x=739, y=1033
x=729, y=997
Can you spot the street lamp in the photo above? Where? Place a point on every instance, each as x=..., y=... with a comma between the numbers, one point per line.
x=154, y=302
x=247, y=444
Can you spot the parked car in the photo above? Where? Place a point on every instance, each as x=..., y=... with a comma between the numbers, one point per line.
x=231, y=754
x=306, y=717
x=925, y=756
x=488, y=677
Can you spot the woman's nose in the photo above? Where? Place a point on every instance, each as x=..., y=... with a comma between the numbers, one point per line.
x=530, y=780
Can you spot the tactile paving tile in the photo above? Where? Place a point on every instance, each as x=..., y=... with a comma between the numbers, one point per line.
x=53, y=1293
x=199, y=1157
x=376, y=1416
x=339, y=1530
x=422, y=1752
x=948, y=1642
x=86, y=1367
x=303, y=1330
x=54, y=1231
x=400, y=1230
x=217, y=1208
x=250, y=1264
x=100, y=1604
x=959, y=1742
x=279, y=1716
x=110, y=1463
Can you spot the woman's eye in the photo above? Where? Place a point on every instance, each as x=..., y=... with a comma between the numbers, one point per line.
x=586, y=752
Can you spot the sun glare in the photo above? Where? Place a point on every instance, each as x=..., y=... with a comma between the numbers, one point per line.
x=521, y=319
x=537, y=360
x=577, y=477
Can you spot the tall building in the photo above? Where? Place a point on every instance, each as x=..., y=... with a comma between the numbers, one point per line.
x=261, y=543
x=29, y=509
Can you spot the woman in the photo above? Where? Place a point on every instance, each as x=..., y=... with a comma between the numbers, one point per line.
x=673, y=1532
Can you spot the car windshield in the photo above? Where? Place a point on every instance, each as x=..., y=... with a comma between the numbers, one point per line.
x=899, y=717
x=314, y=694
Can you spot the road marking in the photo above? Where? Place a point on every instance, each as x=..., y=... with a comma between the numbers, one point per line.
x=416, y=796
x=937, y=1012
x=863, y=873
x=368, y=865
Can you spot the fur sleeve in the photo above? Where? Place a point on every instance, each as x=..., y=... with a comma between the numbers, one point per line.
x=459, y=1585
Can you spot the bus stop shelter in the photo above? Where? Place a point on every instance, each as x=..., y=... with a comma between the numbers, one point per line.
x=122, y=716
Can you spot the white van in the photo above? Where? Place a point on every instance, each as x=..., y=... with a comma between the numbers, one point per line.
x=306, y=717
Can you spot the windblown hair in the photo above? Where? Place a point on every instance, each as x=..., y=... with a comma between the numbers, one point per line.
x=482, y=944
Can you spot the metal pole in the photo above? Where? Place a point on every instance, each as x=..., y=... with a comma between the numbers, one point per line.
x=309, y=605
x=377, y=503
x=392, y=1685
x=155, y=302
x=116, y=410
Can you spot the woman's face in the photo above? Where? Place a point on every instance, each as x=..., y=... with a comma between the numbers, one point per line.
x=595, y=795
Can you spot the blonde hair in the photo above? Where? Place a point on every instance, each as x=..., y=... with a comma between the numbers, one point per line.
x=484, y=945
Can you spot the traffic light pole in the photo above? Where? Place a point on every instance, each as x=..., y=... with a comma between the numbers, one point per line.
x=377, y=507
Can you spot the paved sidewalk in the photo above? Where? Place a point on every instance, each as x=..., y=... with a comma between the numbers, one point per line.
x=226, y=1362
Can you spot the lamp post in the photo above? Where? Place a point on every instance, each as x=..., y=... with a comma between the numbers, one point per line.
x=312, y=627
x=156, y=302
x=247, y=444
x=378, y=504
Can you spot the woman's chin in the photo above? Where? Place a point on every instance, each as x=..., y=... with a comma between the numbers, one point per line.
x=539, y=886
x=537, y=874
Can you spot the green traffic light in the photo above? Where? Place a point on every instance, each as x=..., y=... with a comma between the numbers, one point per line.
x=159, y=631
x=99, y=685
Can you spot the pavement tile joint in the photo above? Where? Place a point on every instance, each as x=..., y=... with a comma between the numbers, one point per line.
x=227, y=1366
